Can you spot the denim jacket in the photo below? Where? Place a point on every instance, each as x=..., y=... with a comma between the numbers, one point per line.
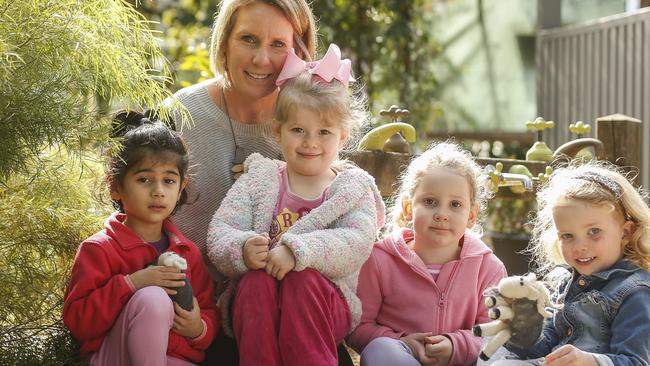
x=606, y=313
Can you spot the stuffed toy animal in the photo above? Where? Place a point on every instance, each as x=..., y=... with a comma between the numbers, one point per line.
x=518, y=306
x=184, y=296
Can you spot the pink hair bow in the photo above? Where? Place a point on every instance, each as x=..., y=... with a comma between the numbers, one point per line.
x=329, y=67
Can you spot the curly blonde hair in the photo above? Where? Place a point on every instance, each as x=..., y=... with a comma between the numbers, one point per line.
x=448, y=155
x=568, y=183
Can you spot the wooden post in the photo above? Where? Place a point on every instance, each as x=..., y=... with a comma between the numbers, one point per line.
x=621, y=135
x=384, y=166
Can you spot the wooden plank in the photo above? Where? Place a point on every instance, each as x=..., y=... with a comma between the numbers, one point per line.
x=574, y=87
x=645, y=105
x=627, y=54
x=620, y=70
x=612, y=90
x=637, y=73
x=597, y=77
x=604, y=72
x=588, y=82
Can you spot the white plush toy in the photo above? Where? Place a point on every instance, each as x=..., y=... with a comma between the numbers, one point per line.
x=184, y=296
x=518, y=306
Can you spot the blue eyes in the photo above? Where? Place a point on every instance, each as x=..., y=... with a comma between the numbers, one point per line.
x=594, y=231
x=252, y=40
x=434, y=202
x=302, y=130
x=591, y=232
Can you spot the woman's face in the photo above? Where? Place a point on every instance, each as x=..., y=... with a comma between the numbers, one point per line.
x=256, y=49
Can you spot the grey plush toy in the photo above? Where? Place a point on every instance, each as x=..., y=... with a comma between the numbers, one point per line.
x=518, y=306
x=184, y=296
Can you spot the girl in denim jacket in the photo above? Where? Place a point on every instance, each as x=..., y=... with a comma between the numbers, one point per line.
x=592, y=219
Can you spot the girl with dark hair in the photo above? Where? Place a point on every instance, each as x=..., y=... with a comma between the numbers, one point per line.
x=117, y=304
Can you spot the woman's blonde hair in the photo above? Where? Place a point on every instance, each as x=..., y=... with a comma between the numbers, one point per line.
x=596, y=183
x=448, y=155
x=297, y=12
x=335, y=102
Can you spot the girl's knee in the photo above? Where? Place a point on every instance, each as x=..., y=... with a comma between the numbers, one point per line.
x=387, y=351
x=257, y=278
x=152, y=299
x=307, y=279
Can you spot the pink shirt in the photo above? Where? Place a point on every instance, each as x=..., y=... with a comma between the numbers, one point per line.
x=289, y=208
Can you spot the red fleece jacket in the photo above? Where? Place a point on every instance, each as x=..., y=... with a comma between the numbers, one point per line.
x=98, y=288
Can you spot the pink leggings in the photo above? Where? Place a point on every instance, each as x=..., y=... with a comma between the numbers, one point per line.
x=297, y=321
x=140, y=334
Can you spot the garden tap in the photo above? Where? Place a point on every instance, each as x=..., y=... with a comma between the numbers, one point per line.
x=499, y=179
x=512, y=179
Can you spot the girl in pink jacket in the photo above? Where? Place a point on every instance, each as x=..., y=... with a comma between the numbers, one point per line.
x=421, y=289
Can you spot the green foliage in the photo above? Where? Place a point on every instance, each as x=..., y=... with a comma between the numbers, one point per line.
x=185, y=29
x=45, y=217
x=57, y=56
x=62, y=64
x=391, y=47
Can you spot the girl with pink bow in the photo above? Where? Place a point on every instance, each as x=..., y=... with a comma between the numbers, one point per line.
x=292, y=235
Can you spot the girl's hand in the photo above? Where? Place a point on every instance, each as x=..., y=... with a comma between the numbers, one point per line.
x=415, y=341
x=280, y=262
x=256, y=250
x=439, y=348
x=569, y=355
x=188, y=323
x=165, y=277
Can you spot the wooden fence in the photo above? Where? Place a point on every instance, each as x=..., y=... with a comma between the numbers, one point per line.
x=593, y=70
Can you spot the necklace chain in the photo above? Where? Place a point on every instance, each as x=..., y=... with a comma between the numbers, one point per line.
x=238, y=161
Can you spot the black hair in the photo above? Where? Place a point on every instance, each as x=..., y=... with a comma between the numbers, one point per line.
x=140, y=135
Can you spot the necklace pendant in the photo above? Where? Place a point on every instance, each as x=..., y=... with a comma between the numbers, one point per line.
x=238, y=163
x=239, y=156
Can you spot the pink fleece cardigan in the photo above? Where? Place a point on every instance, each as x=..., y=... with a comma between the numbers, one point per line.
x=399, y=296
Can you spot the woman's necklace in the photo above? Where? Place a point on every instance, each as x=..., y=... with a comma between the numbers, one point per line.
x=238, y=162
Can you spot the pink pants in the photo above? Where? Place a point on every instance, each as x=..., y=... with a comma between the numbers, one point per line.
x=140, y=334
x=297, y=321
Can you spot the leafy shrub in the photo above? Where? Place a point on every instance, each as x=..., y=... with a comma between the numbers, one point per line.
x=44, y=218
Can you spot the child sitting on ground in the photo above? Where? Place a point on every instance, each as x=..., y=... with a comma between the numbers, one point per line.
x=591, y=218
x=291, y=237
x=422, y=288
x=117, y=303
